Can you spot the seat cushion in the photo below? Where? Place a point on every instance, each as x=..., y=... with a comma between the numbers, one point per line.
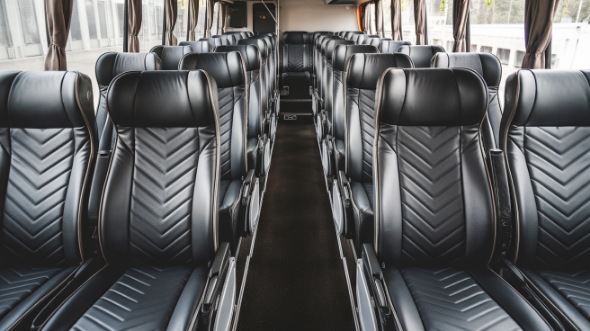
x=229, y=207
x=457, y=299
x=569, y=291
x=362, y=208
x=139, y=298
x=23, y=287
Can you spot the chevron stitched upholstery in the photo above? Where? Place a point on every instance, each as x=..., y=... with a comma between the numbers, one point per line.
x=431, y=194
x=545, y=132
x=435, y=230
x=47, y=149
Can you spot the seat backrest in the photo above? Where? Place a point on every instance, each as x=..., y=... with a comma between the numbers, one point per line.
x=489, y=68
x=421, y=55
x=213, y=42
x=316, y=34
x=373, y=41
x=433, y=199
x=362, y=73
x=391, y=46
x=318, y=59
x=358, y=38
x=349, y=35
x=226, y=40
x=263, y=49
x=49, y=142
x=229, y=73
x=236, y=36
x=327, y=75
x=545, y=134
x=251, y=57
x=159, y=205
x=340, y=57
x=170, y=56
x=199, y=46
x=111, y=64
x=297, y=52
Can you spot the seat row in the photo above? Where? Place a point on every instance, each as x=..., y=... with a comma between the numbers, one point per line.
x=162, y=262
x=468, y=237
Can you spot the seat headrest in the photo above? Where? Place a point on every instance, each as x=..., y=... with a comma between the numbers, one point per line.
x=250, y=54
x=372, y=41
x=342, y=54
x=227, y=69
x=45, y=99
x=431, y=97
x=325, y=41
x=420, y=54
x=316, y=34
x=548, y=98
x=363, y=70
x=199, y=46
x=111, y=64
x=170, y=55
x=296, y=37
x=259, y=43
x=391, y=46
x=213, y=42
x=331, y=46
x=163, y=99
x=485, y=64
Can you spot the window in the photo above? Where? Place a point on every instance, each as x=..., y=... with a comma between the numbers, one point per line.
x=497, y=26
x=215, y=19
x=571, y=35
x=439, y=16
x=29, y=22
x=91, y=17
x=386, y=7
x=201, y=20
x=181, y=21
x=370, y=22
x=75, y=29
x=4, y=30
x=237, y=15
x=150, y=33
x=408, y=27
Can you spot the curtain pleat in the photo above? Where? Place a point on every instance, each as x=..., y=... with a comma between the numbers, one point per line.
x=420, y=20
x=59, y=18
x=193, y=19
x=171, y=14
x=209, y=22
x=460, y=14
x=133, y=24
x=396, y=20
x=538, y=25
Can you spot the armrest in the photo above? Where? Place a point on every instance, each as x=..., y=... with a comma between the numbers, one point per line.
x=502, y=202
x=260, y=158
x=216, y=279
x=344, y=188
x=247, y=187
x=518, y=280
x=374, y=276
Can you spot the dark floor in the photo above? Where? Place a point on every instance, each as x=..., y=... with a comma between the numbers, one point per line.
x=296, y=279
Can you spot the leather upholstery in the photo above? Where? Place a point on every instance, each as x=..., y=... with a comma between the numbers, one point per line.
x=489, y=68
x=111, y=64
x=327, y=54
x=362, y=73
x=545, y=134
x=229, y=72
x=213, y=42
x=171, y=55
x=199, y=46
x=373, y=41
x=297, y=52
x=391, y=46
x=226, y=39
x=296, y=37
x=159, y=209
x=263, y=75
x=434, y=205
x=421, y=55
x=49, y=142
x=340, y=57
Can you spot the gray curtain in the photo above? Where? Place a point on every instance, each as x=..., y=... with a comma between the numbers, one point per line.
x=59, y=18
x=193, y=19
x=538, y=25
x=420, y=20
x=396, y=20
x=209, y=22
x=460, y=14
x=171, y=14
x=133, y=24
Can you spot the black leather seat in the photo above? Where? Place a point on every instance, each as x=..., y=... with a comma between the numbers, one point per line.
x=489, y=68
x=323, y=119
x=296, y=65
x=237, y=181
x=108, y=66
x=213, y=42
x=170, y=56
x=373, y=41
x=199, y=46
x=434, y=206
x=545, y=135
x=158, y=222
x=337, y=131
x=391, y=46
x=48, y=139
x=356, y=182
x=226, y=39
x=318, y=90
x=421, y=55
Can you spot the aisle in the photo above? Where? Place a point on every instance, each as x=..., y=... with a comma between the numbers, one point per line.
x=296, y=279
